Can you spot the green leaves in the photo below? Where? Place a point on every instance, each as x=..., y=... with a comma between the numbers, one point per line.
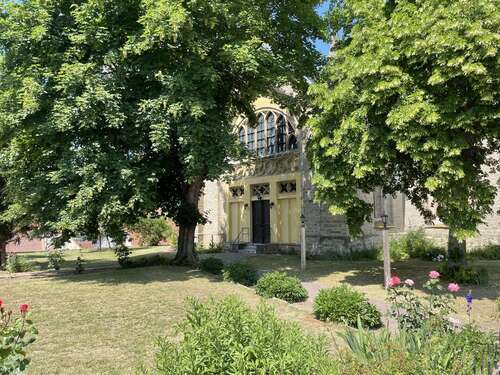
x=409, y=102
x=110, y=110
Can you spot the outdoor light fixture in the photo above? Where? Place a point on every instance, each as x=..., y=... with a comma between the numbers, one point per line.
x=384, y=219
x=271, y=204
x=302, y=219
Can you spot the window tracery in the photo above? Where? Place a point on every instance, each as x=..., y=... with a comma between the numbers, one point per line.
x=272, y=135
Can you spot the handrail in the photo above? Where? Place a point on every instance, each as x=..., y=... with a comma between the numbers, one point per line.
x=236, y=241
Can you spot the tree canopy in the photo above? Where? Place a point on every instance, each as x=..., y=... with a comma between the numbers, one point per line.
x=116, y=109
x=409, y=101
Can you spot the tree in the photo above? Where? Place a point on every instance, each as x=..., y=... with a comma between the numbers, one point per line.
x=409, y=101
x=120, y=109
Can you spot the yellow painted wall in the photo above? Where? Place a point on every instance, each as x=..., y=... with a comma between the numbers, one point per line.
x=284, y=215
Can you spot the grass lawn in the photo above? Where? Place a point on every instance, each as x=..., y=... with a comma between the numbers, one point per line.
x=106, y=322
x=367, y=276
x=93, y=258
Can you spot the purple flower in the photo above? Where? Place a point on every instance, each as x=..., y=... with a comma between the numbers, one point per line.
x=468, y=297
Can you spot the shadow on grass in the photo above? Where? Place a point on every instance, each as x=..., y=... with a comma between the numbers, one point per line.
x=371, y=273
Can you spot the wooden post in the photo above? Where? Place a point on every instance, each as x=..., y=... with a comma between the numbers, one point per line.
x=303, y=248
x=302, y=243
x=387, y=256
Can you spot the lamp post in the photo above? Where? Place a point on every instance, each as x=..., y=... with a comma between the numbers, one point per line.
x=387, y=254
x=302, y=242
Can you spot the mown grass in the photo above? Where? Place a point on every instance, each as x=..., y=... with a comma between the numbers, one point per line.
x=367, y=277
x=106, y=322
x=93, y=258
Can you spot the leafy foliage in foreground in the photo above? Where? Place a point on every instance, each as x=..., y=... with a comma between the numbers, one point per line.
x=429, y=350
x=16, y=334
x=226, y=337
x=282, y=286
x=409, y=103
x=343, y=304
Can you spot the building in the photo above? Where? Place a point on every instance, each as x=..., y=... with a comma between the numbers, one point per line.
x=260, y=207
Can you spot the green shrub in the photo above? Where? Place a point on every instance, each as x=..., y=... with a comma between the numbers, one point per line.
x=212, y=265
x=148, y=261
x=425, y=351
x=123, y=254
x=353, y=255
x=227, y=337
x=17, y=263
x=464, y=274
x=415, y=244
x=343, y=304
x=79, y=266
x=489, y=252
x=213, y=248
x=282, y=286
x=240, y=273
x=152, y=231
x=55, y=258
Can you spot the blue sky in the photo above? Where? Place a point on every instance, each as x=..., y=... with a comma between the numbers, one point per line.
x=323, y=47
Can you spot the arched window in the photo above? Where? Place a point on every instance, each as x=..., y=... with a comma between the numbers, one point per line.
x=241, y=135
x=271, y=134
x=261, y=136
x=281, y=134
x=251, y=138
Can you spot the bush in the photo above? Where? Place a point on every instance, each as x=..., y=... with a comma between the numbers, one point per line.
x=56, y=259
x=212, y=265
x=148, y=261
x=343, y=304
x=79, y=266
x=425, y=351
x=16, y=263
x=240, y=273
x=16, y=334
x=152, y=231
x=415, y=244
x=489, y=252
x=226, y=337
x=213, y=248
x=123, y=254
x=464, y=274
x=282, y=286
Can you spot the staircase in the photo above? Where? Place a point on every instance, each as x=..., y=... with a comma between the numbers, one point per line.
x=247, y=248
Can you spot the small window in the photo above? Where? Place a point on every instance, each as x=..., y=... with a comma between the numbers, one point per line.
x=241, y=135
x=271, y=134
x=251, y=138
x=281, y=134
x=261, y=136
x=292, y=142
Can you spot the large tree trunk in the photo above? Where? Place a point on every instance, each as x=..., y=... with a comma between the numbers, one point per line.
x=456, y=250
x=186, y=253
x=3, y=254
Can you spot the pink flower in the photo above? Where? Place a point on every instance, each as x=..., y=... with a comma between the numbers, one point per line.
x=409, y=282
x=1, y=302
x=24, y=308
x=452, y=287
x=434, y=275
x=394, y=281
